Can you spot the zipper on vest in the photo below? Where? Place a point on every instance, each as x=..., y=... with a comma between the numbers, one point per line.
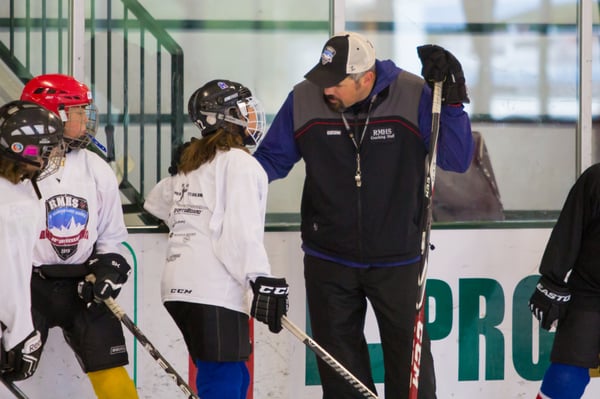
x=358, y=144
x=358, y=173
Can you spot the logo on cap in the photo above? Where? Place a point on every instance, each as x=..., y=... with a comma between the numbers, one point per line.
x=327, y=56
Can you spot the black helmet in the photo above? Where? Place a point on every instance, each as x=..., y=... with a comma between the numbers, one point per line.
x=221, y=101
x=31, y=134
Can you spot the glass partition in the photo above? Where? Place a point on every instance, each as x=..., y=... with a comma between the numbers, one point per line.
x=520, y=59
x=521, y=65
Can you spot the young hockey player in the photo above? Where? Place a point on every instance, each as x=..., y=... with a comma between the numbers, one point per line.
x=567, y=296
x=30, y=149
x=215, y=208
x=82, y=234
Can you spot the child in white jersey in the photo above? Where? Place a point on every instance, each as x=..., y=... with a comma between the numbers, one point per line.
x=83, y=231
x=215, y=209
x=30, y=149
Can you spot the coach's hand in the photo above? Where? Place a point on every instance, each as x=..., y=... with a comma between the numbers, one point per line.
x=270, y=301
x=549, y=302
x=440, y=65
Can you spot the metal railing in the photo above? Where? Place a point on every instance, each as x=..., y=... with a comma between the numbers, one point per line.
x=133, y=67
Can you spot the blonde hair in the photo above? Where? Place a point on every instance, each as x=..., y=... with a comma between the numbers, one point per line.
x=201, y=151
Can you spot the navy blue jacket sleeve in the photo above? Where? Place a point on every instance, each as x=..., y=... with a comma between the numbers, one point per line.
x=278, y=151
x=455, y=140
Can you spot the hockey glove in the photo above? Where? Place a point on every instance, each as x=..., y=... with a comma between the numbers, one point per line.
x=439, y=65
x=111, y=271
x=549, y=302
x=85, y=290
x=20, y=362
x=270, y=301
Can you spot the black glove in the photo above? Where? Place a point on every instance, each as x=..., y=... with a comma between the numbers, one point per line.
x=270, y=301
x=21, y=361
x=439, y=65
x=549, y=302
x=176, y=159
x=111, y=271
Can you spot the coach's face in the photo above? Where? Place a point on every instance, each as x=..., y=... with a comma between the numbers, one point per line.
x=349, y=91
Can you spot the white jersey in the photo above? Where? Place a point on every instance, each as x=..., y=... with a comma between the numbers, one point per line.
x=19, y=217
x=215, y=215
x=82, y=207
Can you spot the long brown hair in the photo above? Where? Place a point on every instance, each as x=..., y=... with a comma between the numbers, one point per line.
x=201, y=151
x=11, y=170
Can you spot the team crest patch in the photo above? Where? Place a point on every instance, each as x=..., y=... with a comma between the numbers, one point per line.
x=67, y=218
x=327, y=55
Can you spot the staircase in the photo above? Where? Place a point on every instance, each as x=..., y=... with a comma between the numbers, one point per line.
x=132, y=65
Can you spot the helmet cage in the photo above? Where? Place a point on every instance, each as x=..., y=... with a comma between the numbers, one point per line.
x=91, y=126
x=52, y=156
x=250, y=115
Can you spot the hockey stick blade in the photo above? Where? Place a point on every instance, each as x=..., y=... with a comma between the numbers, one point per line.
x=15, y=390
x=327, y=358
x=430, y=167
x=145, y=342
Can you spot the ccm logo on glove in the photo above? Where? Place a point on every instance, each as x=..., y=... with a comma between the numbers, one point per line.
x=270, y=301
x=274, y=290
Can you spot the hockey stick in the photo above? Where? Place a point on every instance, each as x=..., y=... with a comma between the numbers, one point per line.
x=162, y=362
x=109, y=130
x=330, y=360
x=14, y=389
x=428, y=206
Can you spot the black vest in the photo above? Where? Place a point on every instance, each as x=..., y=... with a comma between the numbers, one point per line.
x=380, y=221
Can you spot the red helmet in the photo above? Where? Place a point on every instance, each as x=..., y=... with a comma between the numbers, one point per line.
x=57, y=93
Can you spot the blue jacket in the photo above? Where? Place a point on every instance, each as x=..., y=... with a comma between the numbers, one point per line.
x=379, y=222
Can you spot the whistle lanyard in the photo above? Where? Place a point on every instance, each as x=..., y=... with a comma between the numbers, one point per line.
x=357, y=145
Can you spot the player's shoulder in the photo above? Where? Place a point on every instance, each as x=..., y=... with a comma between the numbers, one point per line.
x=594, y=170
x=240, y=160
x=97, y=167
x=239, y=156
x=20, y=192
x=589, y=181
x=91, y=156
x=591, y=175
x=94, y=161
